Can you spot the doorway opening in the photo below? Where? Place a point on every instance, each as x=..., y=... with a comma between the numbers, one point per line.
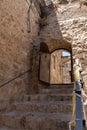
x=56, y=67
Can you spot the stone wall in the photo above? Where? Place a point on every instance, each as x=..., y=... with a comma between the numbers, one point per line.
x=68, y=22
x=17, y=46
x=76, y=30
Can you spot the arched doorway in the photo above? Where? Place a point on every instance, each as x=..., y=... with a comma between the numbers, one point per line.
x=56, y=65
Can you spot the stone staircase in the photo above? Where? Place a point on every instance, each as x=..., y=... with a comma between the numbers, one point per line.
x=51, y=109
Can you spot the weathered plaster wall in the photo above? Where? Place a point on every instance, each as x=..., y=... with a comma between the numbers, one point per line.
x=17, y=46
x=51, y=30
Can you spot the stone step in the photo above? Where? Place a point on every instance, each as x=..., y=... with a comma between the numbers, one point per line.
x=47, y=107
x=48, y=97
x=4, y=105
x=56, y=91
x=7, y=128
x=36, y=121
x=67, y=86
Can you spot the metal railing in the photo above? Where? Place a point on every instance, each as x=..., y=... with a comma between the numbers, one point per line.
x=78, y=121
x=14, y=78
x=79, y=108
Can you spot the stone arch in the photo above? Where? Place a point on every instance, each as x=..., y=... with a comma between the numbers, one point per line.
x=54, y=44
x=46, y=49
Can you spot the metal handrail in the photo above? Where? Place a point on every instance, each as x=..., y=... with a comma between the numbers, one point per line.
x=14, y=78
x=77, y=114
x=79, y=108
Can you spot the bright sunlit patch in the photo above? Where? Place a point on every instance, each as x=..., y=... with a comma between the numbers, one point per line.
x=66, y=54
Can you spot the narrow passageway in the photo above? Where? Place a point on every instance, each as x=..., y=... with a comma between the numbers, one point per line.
x=43, y=37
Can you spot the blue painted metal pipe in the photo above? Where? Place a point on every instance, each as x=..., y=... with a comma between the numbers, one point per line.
x=79, y=109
